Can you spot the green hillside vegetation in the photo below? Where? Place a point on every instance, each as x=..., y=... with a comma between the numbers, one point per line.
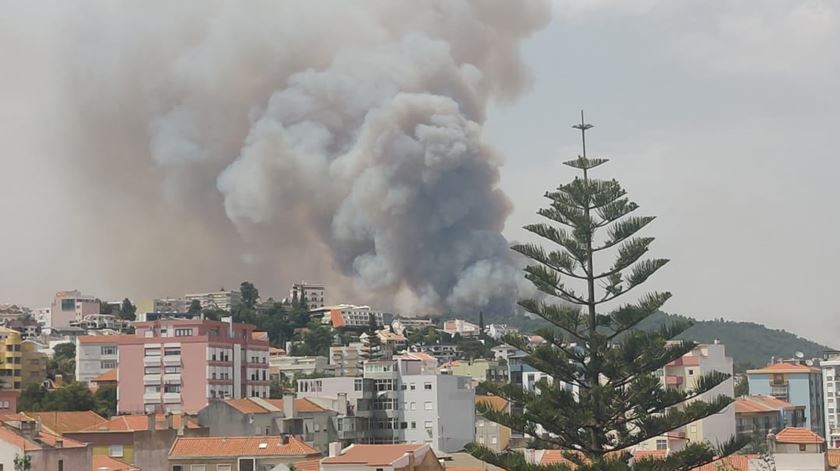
x=751, y=345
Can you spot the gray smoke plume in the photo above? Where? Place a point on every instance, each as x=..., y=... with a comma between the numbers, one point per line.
x=328, y=141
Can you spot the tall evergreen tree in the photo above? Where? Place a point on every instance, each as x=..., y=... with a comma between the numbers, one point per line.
x=481, y=324
x=250, y=294
x=616, y=401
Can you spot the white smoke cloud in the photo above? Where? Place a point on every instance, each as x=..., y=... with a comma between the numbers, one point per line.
x=280, y=140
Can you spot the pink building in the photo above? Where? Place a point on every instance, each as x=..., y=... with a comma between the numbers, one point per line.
x=71, y=306
x=177, y=365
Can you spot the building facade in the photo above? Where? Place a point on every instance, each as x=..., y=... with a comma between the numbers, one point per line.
x=799, y=384
x=461, y=327
x=348, y=360
x=96, y=354
x=313, y=296
x=756, y=416
x=830, y=366
x=224, y=300
x=350, y=316
x=33, y=364
x=187, y=363
x=71, y=306
x=11, y=371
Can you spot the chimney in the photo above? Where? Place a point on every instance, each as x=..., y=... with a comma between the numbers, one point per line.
x=150, y=421
x=284, y=439
x=335, y=449
x=289, y=406
x=29, y=429
x=341, y=407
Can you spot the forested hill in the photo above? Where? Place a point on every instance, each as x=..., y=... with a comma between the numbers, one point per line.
x=749, y=344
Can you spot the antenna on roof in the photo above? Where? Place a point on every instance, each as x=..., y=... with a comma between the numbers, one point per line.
x=799, y=355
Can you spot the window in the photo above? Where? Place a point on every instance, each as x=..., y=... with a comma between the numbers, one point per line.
x=223, y=467
x=357, y=385
x=802, y=447
x=427, y=386
x=151, y=352
x=109, y=350
x=197, y=467
x=413, y=405
x=427, y=405
x=177, y=467
x=172, y=388
x=115, y=451
x=152, y=370
x=414, y=425
x=493, y=440
x=412, y=386
x=661, y=444
x=172, y=369
x=183, y=332
x=690, y=372
x=108, y=364
x=152, y=389
x=172, y=351
x=60, y=465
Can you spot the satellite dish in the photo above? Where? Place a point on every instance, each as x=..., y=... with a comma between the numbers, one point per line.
x=799, y=355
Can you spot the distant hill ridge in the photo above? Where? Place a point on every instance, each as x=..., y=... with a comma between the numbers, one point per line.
x=751, y=345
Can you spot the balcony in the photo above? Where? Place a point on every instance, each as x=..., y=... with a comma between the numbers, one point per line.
x=170, y=398
x=151, y=379
x=172, y=360
x=151, y=361
x=150, y=398
x=172, y=378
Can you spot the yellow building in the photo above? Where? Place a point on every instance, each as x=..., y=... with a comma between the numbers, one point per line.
x=10, y=370
x=33, y=364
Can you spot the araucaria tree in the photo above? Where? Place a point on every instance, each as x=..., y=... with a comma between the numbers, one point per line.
x=604, y=396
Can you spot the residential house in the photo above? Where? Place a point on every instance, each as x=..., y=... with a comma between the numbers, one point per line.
x=106, y=379
x=238, y=453
x=830, y=366
x=348, y=360
x=408, y=457
x=352, y=399
x=798, y=449
x=756, y=416
x=188, y=363
x=256, y=416
x=140, y=440
x=290, y=366
x=799, y=384
x=59, y=422
x=461, y=327
x=405, y=325
x=490, y=434
x=48, y=452
x=349, y=316
x=503, y=351
x=443, y=353
x=497, y=331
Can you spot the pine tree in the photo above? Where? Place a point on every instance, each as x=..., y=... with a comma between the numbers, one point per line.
x=616, y=401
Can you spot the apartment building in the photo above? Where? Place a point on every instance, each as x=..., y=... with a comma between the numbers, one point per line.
x=799, y=384
x=71, y=306
x=348, y=360
x=33, y=364
x=11, y=370
x=224, y=300
x=410, y=403
x=461, y=327
x=830, y=366
x=96, y=354
x=404, y=325
x=313, y=296
x=490, y=434
x=350, y=316
x=187, y=363
x=756, y=416
x=160, y=305
x=683, y=374
x=289, y=366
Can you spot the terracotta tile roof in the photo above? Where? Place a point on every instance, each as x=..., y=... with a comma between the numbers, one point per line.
x=259, y=335
x=798, y=435
x=67, y=421
x=655, y=454
x=16, y=439
x=374, y=455
x=734, y=462
x=494, y=402
x=138, y=423
x=51, y=440
x=553, y=456
x=186, y=447
x=95, y=339
x=309, y=465
x=785, y=368
x=106, y=377
x=336, y=318
x=248, y=406
x=106, y=463
x=686, y=360
x=753, y=404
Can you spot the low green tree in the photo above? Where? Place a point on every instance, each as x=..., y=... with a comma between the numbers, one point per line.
x=23, y=462
x=106, y=400
x=195, y=307
x=127, y=310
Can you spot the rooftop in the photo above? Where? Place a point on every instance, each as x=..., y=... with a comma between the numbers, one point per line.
x=138, y=423
x=785, y=368
x=106, y=463
x=754, y=404
x=497, y=403
x=798, y=436
x=67, y=421
x=264, y=406
x=187, y=447
x=109, y=376
x=376, y=455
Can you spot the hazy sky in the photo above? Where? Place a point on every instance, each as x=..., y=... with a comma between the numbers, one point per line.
x=721, y=118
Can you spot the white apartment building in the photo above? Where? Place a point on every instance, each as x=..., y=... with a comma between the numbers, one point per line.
x=348, y=315
x=96, y=354
x=830, y=366
x=290, y=366
x=71, y=306
x=224, y=300
x=314, y=296
x=683, y=374
x=461, y=327
x=160, y=305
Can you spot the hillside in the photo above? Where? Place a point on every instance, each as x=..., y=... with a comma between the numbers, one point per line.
x=749, y=344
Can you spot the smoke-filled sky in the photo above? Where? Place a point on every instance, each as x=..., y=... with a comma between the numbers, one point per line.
x=389, y=149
